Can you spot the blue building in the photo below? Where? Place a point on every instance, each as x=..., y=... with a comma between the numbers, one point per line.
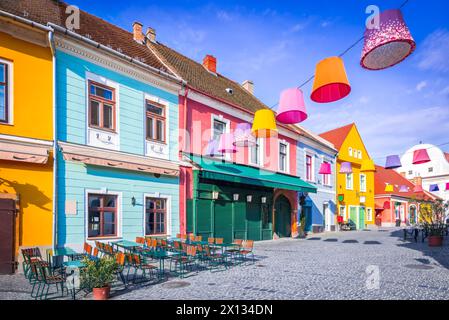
x=319, y=208
x=117, y=132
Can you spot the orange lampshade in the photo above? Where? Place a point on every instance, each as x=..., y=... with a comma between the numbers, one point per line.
x=330, y=83
x=264, y=125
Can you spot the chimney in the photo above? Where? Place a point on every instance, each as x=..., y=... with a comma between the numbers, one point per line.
x=210, y=63
x=402, y=174
x=137, y=32
x=417, y=181
x=151, y=34
x=248, y=85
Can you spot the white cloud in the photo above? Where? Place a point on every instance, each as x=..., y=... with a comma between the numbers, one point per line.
x=434, y=52
x=421, y=85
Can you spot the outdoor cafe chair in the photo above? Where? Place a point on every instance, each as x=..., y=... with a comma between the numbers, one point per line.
x=46, y=279
x=144, y=266
x=213, y=259
x=121, y=263
x=233, y=251
x=198, y=238
x=30, y=255
x=247, y=249
x=185, y=262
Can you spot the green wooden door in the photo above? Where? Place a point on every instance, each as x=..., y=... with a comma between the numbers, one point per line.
x=223, y=220
x=204, y=218
x=282, y=217
x=240, y=220
x=353, y=215
x=361, y=218
x=253, y=217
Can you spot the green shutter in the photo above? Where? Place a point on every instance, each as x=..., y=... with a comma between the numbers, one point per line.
x=204, y=218
x=253, y=216
x=239, y=220
x=223, y=220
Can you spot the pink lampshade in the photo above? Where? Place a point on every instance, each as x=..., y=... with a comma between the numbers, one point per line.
x=346, y=167
x=388, y=44
x=243, y=136
x=403, y=189
x=292, y=108
x=420, y=156
x=226, y=144
x=325, y=168
x=418, y=188
x=447, y=186
x=212, y=148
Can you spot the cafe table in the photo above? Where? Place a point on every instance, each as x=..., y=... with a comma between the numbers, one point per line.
x=127, y=245
x=74, y=266
x=161, y=255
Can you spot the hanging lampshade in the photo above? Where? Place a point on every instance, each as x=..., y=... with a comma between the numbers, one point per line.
x=330, y=83
x=389, y=44
x=368, y=166
x=418, y=188
x=403, y=189
x=264, y=125
x=212, y=148
x=345, y=167
x=226, y=144
x=387, y=205
x=420, y=156
x=447, y=186
x=393, y=162
x=389, y=188
x=292, y=108
x=434, y=188
x=325, y=168
x=243, y=136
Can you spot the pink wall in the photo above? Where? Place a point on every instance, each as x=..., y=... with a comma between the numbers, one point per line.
x=388, y=214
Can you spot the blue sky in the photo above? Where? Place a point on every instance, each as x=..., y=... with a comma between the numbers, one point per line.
x=278, y=43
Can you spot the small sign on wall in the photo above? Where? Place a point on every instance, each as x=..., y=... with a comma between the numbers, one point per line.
x=70, y=207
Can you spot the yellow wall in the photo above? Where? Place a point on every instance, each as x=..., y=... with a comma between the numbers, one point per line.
x=352, y=197
x=32, y=118
x=32, y=88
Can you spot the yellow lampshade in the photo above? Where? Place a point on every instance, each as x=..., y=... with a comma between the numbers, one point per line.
x=367, y=166
x=389, y=188
x=330, y=83
x=264, y=125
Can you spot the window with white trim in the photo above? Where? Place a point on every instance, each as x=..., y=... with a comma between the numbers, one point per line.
x=343, y=212
x=369, y=214
x=155, y=121
x=326, y=177
x=102, y=108
x=309, y=168
x=362, y=182
x=102, y=215
x=349, y=181
x=256, y=153
x=350, y=151
x=283, y=157
x=359, y=154
x=5, y=91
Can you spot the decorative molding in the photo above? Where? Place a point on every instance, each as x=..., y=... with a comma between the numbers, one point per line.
x=26, y=141
x=109, y=61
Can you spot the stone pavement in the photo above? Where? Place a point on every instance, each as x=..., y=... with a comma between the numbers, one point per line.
x=324, y=266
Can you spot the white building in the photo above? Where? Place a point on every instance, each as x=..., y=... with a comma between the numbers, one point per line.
x=434, y=172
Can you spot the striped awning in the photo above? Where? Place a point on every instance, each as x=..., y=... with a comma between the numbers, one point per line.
x=17, y=151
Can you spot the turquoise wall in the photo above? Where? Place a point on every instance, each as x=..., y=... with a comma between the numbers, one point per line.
x=74, y=178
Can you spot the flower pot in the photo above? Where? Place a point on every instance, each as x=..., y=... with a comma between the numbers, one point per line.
x=435, y=241
x=101, y=293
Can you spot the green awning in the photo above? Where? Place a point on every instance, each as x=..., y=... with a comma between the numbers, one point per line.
x=227, y=171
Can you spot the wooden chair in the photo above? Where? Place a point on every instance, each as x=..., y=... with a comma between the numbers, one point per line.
x=120, y=259
x=247, y=249
x=185, y=262
x=198, y=238
x=144, y=266
x=233, y=251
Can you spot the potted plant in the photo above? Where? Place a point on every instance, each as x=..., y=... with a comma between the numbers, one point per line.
x=432, y=217
x=98, y=276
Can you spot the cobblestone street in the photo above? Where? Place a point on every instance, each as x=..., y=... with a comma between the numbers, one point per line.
x=324, y=266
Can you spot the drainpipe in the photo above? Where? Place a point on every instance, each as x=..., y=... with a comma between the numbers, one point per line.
x=184, y=148
x=55, y=144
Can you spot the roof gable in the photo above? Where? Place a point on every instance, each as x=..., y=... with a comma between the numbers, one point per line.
x=337, y=136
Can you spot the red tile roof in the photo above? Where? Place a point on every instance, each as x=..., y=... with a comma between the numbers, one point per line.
x=383, y=176
x=99, y=30
x=337, y=136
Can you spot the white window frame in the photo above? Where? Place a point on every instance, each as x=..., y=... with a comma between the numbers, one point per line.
x=351, y=187
x=261, y=145
x=312, y=156
x=227, y=123
x=10, y=92
x=344, y=212
x=103, y=191
x=359, y=154
x=369, y=213
x=164, y=147
x=287, y=160
x=329, y=176
x=360, y=182
x=350, y=151
x=168, y=199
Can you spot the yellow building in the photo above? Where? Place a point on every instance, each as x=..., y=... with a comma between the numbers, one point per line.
x=355, y=176
x=26, y=137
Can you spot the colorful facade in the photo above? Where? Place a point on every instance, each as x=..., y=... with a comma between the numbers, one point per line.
x=26, y=133
x=319, y=208
x=355, y=191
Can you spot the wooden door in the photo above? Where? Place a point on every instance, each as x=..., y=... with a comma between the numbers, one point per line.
x=7, y=218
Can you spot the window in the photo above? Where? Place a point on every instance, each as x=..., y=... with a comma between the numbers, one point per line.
x=350, y=151
x=343, y=212
x=102, y=219
x=155, y=216
x=326, y=178
x=255, y=153
x=155, y=121
x=410, y=172
x=219, y=127
x=430, y=169
x=282, y=157
x=369, y=214
x=362, y=182
x=349, y=181
x=309, y=174
x=4, y=93
x=101, y=107
x=359, y=154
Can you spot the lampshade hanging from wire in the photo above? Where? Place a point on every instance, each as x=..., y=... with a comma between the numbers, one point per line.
x=292, y=108
x=243, y=136
x=331, y=82
x=393, y=162
x=346, y=167
x=420, y=156
x=418, y=188
x=325, y=168
x=434, y=188
x=264, y=124
x=403, y=189
x=388, y=44
x=389, y=188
